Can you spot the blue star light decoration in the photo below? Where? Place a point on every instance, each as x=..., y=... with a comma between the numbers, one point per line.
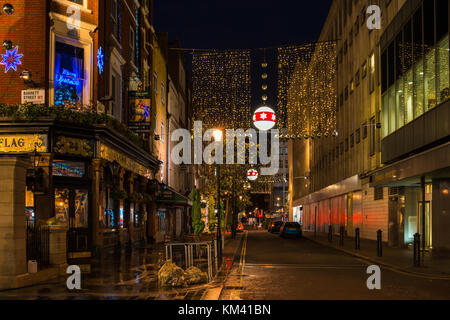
x=100, y=60
x=11, y=59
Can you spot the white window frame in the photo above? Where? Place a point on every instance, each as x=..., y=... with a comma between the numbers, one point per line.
x=163, y=93
x=58, y=32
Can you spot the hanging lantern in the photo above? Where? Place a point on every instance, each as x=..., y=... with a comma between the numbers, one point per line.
x=265, y=97
x=264, y=64
x=264, y=118
x=252, y=174
x=264, y=87
x=264, y=76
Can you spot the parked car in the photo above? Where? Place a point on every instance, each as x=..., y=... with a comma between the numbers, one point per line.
x=275, y=226
x=291, y=229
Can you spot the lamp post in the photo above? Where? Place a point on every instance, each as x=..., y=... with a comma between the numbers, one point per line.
x=218, y=138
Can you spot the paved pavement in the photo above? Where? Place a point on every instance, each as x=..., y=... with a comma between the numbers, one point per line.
x=273, y=268
x=400, y=259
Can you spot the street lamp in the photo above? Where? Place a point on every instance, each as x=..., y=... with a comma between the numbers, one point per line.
x=218, y=136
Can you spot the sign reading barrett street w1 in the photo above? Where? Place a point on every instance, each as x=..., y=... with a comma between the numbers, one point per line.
x=36, y=96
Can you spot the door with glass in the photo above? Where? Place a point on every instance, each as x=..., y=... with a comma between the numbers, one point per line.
x=72, y=210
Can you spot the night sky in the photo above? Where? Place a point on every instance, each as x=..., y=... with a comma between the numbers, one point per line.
x=239, y=24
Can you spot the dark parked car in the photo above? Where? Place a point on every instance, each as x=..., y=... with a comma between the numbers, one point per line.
x=291, y=229
x=275, y=226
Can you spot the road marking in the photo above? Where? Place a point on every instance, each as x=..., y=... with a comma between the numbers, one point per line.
x=236, y=293
x=302, y=266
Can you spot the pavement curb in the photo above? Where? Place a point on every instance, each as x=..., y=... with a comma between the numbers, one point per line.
x=382, y=263
x=215, y=292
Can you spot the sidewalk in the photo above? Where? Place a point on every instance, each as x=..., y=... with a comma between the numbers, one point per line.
x=399, y=259
x=229, y=253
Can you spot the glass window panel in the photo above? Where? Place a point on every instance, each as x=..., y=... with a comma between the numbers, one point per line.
x=441, y=19
x=418, y=89
x=430, y=80
x=443, y=67
x=409, y=94
x=392, y=118
x=62, y=206
x=385, y=116
x=418, y=35
x=69, y=73
x=407, y=47
x=428, y=18
x=81, y=209
x=68, y=169
x=399, y=112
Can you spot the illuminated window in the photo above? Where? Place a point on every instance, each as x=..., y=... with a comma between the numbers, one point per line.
x=69, y=73
x=443, y=67
x=68, y=169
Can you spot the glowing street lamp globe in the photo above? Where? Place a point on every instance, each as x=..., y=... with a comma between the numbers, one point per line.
x=252, y=174
x=264, y=118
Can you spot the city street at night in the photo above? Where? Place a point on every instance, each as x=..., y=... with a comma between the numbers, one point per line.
x=273, y=268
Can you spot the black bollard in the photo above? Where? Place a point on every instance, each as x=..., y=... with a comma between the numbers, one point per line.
x=341, y=236
x=357, y=240
x=417, y=250
x=380, y=243
x=330, y=234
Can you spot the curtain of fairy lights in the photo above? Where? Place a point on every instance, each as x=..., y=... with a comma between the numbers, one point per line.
x=307, y=89
x=222, y=89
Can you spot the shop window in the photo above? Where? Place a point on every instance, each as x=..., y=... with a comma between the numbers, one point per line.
x=407, y=47
x=69, y=74
x=443, y=67
x=418, y=89
x=409, y=106
x=68, y=169
x=62, y=205
x=378, y=193
x=430, y=80
x=418, y=35
x=29, y=205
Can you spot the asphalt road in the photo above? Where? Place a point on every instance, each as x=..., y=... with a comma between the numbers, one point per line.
x=272, y=268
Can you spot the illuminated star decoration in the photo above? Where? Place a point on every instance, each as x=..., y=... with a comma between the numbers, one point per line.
x=100, y=60
x=11, y=59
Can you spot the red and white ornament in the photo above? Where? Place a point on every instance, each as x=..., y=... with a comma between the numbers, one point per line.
x=264, y=118
x=252, y=174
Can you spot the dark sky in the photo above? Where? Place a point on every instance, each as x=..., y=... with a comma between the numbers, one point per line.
x=240, y=24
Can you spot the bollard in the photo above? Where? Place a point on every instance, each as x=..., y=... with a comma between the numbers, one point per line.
x=379, y=243
x=357, y=240
x=341, y=236
x=330, y=234
x=417, y=250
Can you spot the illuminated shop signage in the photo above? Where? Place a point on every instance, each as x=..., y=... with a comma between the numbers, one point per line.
x=19, y=143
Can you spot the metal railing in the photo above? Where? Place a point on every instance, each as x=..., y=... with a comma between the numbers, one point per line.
x=195, y=254
x=38, y=244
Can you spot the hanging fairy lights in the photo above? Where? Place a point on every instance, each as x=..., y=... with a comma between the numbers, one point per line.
x=222, y=88
x=307, y=90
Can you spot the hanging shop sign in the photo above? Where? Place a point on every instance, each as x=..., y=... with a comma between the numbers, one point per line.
x=140, y=117
x=35, y=96
x=74, y=146
x=23, y=143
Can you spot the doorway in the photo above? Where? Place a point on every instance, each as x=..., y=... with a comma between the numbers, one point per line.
x=72, y=209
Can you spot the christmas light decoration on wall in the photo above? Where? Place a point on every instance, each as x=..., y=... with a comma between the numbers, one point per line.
x=11, y=59
x=222, y=88
x=100, y=60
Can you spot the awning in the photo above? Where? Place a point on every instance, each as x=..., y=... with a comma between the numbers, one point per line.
x=173, y=198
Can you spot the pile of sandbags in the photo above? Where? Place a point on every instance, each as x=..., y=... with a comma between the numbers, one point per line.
x=171, y=275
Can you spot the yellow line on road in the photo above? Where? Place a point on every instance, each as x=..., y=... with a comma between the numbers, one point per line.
x=236, y=293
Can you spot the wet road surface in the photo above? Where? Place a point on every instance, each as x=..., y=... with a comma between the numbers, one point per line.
x=272, y=268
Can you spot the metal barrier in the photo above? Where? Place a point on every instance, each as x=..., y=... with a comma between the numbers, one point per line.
x=196, y=249
x=38, y=243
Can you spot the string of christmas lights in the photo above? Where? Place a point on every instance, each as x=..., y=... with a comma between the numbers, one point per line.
x=222, y=88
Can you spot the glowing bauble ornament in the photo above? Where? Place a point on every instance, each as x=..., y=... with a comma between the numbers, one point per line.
x=264, y=118
x=252, y=174
x=265, y=97
x=264, y=87
x=264, y=76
